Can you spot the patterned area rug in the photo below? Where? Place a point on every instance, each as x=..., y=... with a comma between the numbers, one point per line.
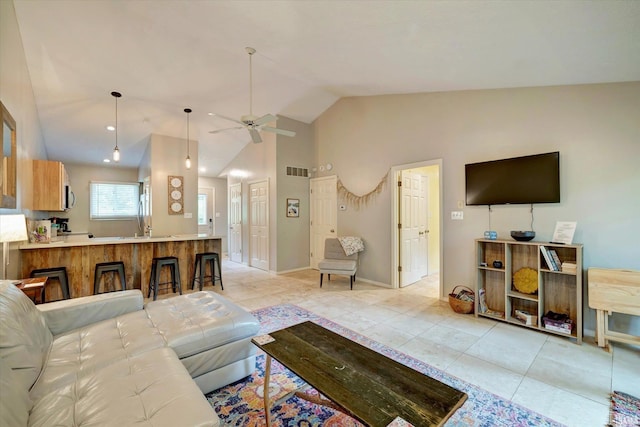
x=625, y=410
x=241, y=404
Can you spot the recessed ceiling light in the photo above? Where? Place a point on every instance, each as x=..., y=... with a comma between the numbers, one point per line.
x=111, y=128
x=107, y=160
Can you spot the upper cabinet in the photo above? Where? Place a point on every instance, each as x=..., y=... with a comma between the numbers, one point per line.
x=50, y=186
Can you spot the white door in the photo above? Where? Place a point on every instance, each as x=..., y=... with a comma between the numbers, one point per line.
x=206, y=209
x=423, y=221
x=259, y=225
x=409, y=227
x=235, y=222
x=324, y=215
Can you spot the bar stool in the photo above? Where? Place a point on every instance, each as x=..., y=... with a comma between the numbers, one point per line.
x=156, y=268
x=200, y=266
x=108, y=267
x=57, y=273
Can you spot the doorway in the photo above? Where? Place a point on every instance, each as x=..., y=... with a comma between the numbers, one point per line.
x=417, y=222
x=259, y=225
x=235, y=222
x=323, y=207
x=206, y=209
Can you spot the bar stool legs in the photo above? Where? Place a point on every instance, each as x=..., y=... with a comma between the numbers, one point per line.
x=200, y=269
x=106, y=267
x=56, y=273
x=156, y=270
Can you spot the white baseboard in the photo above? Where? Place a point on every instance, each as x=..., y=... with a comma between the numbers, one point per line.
x=294, y=270
x=373, y=282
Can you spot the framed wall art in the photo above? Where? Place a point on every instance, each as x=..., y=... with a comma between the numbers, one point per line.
x=293, y=208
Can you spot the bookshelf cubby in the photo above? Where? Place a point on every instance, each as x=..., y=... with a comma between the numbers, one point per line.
x=558, y=291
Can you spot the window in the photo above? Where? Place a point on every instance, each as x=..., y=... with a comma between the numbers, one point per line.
x=114, y=200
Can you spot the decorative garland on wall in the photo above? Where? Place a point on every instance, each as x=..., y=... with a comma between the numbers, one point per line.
x=358, y=201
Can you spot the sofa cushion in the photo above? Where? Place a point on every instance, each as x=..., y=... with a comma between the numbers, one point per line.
x=92, y=347
x=337, y=264
x=15, y=403
x=152, y=389
x=25, y=338
x=67, y=315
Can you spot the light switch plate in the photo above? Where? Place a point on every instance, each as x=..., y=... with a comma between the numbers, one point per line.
x=188, y=215
x=457, y=215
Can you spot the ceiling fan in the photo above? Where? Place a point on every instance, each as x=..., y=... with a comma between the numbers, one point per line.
x=250, y=122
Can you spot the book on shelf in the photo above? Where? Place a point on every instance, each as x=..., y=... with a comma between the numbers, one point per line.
x=548, y=259
x=555, y=258
x=569, y=267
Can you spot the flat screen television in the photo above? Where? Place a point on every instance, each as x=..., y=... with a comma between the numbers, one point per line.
x=518, y=180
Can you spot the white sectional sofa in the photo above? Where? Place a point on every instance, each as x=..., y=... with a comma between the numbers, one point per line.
x=106, y=360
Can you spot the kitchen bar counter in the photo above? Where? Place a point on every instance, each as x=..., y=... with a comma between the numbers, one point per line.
x=81, y=255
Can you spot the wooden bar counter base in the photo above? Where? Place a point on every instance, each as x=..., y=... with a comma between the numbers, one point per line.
x=81, y=257
x=363, y=383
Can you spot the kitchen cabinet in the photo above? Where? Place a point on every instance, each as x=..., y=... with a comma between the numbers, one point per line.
x=50, y=186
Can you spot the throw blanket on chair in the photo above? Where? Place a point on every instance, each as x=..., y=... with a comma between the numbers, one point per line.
x=351, y=245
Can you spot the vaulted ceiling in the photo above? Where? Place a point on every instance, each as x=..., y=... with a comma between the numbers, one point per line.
x=167, y=55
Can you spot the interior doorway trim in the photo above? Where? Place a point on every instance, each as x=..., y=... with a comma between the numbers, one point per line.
x=395, y=235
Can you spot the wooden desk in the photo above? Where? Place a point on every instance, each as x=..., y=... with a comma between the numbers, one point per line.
x=612, y=291
x=363, y=383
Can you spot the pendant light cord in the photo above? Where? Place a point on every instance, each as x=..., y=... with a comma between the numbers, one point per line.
x=188, y=159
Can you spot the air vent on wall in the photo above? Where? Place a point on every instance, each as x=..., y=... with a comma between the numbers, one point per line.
x=293, y=171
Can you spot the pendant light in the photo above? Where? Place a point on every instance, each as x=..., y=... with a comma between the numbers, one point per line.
x=116, y=150
x=188, y=160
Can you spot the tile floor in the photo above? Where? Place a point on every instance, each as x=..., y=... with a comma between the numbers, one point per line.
x=551, y=375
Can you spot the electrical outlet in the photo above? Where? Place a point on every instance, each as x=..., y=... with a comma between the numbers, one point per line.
x=457, y=215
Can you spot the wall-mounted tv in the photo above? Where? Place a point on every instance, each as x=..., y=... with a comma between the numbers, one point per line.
x=518, y=180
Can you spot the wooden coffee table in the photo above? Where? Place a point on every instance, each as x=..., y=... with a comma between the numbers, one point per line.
x=364, y=384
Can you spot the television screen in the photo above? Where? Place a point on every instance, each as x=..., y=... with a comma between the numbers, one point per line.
x=519, y=180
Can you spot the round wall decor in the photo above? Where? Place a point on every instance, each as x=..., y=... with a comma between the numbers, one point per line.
x=176, y=195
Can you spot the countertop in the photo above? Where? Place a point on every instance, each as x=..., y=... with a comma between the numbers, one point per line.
x=69, y=241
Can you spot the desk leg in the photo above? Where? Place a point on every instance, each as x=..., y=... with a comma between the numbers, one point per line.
x=600, y=322
x=267, y=403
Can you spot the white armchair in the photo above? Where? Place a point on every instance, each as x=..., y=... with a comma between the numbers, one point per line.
x=337, y=262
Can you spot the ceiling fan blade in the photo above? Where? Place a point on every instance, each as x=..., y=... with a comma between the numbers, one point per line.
x=279, y=131
x=265, y=119
x=228, y=118
x=255, y=135
x=225, y=129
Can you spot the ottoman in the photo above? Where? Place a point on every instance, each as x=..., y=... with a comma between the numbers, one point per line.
x=210, y=334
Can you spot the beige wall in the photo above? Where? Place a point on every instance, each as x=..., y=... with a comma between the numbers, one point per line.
x=293, y=233
x=167, y=158
x=596, y=128
x=16, y=94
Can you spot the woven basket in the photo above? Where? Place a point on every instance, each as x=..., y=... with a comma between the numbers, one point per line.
x=458, y=305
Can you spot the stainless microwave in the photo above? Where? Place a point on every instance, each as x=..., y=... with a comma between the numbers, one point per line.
x=69, y=198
